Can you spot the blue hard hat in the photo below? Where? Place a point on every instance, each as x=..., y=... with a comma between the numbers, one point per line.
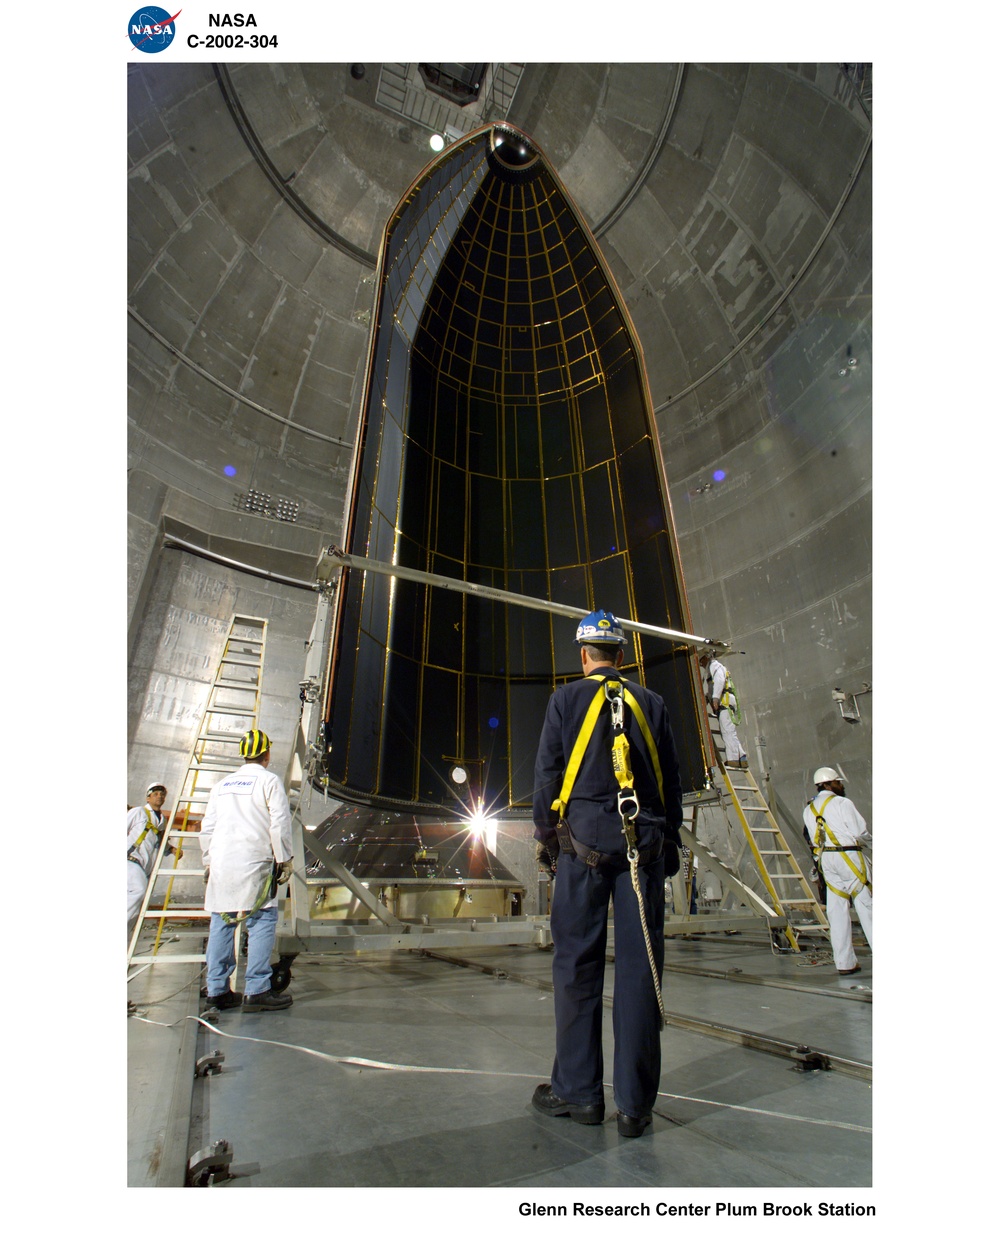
x=600, y=626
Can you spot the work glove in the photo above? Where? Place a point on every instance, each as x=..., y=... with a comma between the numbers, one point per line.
x=284, y=871
x=546, y=855
x=205, y=875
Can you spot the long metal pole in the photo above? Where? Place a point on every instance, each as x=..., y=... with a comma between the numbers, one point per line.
x=337, y=557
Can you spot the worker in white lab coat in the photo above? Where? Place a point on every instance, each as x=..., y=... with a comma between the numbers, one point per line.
x=246, y=846
x=840, y=841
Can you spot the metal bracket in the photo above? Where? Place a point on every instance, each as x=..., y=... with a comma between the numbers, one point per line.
x=210, y=1166
x=807, y=1060
x=209, y=1063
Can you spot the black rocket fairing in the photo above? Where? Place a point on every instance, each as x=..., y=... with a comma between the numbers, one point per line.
x=507, y=439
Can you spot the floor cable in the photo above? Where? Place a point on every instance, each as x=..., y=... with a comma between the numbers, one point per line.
x=357, y=1061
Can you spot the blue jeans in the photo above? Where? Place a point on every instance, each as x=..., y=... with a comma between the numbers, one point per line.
x=220, y=954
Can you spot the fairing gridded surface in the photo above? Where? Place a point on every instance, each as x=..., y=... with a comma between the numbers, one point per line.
x=506, y=440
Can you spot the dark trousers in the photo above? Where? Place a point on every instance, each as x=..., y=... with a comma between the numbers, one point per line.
x=579, y=925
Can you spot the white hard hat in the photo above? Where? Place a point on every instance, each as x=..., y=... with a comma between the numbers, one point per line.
x=825, y=774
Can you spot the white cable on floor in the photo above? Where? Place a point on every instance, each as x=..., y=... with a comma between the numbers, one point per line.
x=521, y=1076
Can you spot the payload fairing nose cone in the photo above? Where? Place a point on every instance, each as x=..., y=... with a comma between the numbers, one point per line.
x=507, y=439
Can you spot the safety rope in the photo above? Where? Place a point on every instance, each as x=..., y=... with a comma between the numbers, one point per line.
x=262, y=897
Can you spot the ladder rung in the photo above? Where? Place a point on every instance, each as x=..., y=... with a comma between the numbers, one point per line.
x=231, y=707
x=167, y=959
x=178, y=915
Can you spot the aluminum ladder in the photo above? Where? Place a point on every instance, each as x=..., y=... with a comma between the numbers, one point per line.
x=232, y=708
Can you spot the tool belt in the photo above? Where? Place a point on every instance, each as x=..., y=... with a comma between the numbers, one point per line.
x=134, y=859
x=598, y=859
x=825, y=850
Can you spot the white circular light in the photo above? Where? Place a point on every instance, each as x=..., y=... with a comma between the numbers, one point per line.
x=437, y=142
x=459, y=776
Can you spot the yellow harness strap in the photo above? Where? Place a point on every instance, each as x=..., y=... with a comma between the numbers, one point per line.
x=824, y=831
x=647, y=734
x=579, y=749
x=150, y=828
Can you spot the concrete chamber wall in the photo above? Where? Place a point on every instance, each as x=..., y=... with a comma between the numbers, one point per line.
x=733, y=204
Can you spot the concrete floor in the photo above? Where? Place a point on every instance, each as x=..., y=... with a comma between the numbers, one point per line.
x=463, y=1037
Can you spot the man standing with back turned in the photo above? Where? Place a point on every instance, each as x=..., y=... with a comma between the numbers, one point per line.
x=607, y=827
x=246, y=846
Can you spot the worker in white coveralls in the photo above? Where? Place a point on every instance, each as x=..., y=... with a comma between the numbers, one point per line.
x=840, y=838
x=246, y=846
x=144, y=830
x=720, y=694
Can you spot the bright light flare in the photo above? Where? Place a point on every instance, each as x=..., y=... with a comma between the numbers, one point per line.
x=482, y=827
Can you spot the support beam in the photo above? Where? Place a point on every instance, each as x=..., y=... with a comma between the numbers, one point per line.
x=335, y=558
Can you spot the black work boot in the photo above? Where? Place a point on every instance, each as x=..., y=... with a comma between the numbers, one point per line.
x=548, y=1103
x=224, y=1001
x=268, y=1001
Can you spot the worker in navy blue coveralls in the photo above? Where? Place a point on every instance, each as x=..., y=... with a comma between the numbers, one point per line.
x=581, y=893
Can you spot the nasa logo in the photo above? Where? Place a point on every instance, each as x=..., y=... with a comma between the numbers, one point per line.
x=152, y=29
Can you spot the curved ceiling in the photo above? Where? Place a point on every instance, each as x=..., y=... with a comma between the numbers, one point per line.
x=258, y=196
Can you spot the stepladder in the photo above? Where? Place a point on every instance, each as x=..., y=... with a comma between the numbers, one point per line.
x=231, y=709
x=764, y=859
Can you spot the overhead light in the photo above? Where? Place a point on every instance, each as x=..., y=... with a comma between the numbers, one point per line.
x=459, y=775
x=437, y=142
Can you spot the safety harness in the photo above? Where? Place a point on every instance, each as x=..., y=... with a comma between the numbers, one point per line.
x=730, y=699
x=824, y=834
x=151, y=827
x=617, y=695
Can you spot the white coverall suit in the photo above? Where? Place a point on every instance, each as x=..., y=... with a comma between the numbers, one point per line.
x=840, y=869
x=715, y=688
x=141, y=854
x=247, y=826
